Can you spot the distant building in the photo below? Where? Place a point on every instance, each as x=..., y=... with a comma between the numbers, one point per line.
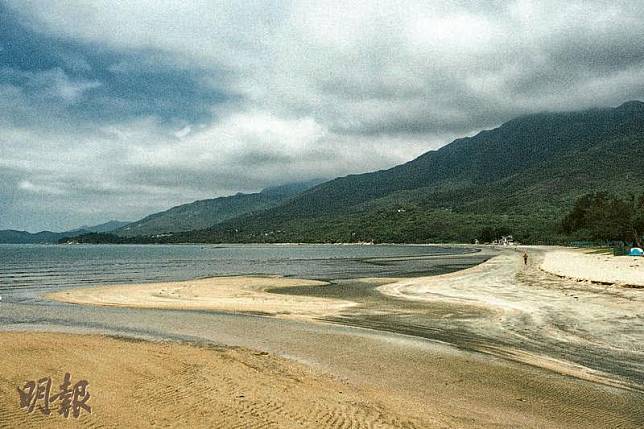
x=506, y=240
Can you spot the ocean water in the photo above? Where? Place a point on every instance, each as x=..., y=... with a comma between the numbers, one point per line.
x=28, y=270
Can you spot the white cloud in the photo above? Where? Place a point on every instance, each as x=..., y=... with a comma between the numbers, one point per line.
x=52, y=84
x=67, y=89
x=326, y=88
x=351, y=65
x=27, y=185
x=183, y=132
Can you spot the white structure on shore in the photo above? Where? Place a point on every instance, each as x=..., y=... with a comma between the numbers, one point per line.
x=506, y=240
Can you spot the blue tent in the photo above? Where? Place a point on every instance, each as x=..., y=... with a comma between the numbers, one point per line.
x=636, y=251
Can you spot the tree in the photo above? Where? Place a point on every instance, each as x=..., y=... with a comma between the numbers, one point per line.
x=600, y=216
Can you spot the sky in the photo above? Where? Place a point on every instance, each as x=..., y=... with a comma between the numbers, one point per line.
x=118, y=109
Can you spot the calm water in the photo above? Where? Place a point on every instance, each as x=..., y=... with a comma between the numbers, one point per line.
x=27, y=270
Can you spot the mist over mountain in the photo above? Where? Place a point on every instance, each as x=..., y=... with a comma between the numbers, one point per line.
x=519, y=178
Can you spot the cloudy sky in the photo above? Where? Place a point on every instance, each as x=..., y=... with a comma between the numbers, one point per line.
x=116, y=109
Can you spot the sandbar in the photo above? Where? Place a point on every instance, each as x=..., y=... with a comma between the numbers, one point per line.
x=245, y=294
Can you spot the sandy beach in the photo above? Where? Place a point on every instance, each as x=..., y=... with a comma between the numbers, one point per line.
x=136, y=383
x=530, y=308
x=496, y=345
x=165, y=384
x=518, y=311
x=578, y=264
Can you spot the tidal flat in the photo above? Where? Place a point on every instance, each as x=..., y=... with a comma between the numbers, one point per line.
x=493, y=344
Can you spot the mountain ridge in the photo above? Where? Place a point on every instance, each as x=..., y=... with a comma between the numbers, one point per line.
x=13, y=236
x=205, y=213
x=505, y=170
x=518, y=178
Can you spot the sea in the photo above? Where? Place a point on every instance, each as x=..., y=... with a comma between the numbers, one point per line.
x=29, y=270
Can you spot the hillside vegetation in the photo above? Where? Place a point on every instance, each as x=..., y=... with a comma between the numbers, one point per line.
x=9, y=236
x=520, y=178
x=206, y=213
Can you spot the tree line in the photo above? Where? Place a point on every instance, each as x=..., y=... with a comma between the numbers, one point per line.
x=603, y=217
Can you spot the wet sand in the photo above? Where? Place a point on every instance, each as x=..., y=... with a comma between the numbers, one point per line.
x=590, y=331
x=500, y=307
x=582, y=368
x=245, y=294
x=166, y=384
x=137, y=383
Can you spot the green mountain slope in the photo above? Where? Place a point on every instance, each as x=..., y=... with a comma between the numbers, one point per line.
x=531, y=142
x=518, y=178
x=206, y=213
x=10, y=236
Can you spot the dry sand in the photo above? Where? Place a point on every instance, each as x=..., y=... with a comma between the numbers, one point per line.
x=163, y=384
x=136, y=383
x=581, y=265
x=233, y=294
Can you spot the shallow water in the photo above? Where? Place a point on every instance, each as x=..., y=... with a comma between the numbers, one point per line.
x=28, y=270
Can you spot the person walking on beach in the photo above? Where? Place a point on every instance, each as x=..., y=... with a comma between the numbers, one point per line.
x=525, y=258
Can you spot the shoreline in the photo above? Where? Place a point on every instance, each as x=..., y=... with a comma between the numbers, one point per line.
x=497, y=296
x=540, y=308
x=251, y=293
x=246, y=293
x=492, y=382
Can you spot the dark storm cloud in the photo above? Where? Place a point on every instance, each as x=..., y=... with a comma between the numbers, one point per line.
x=111, y=85
x=118, y=109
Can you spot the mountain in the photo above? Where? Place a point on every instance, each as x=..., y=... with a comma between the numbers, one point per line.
x=10, y=236
x=206, y=213
x=104, y=227
x=517, y=152
x=518, y=178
